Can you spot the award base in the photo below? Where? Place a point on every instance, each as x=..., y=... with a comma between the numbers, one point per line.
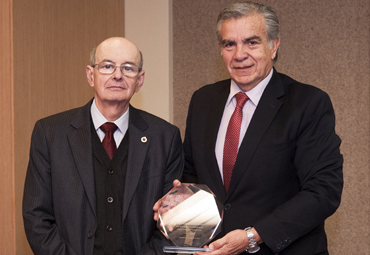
x=184, y=249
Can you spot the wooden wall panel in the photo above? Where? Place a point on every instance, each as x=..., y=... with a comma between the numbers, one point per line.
x=7, y=210
x=323, y=44
x=52, y=43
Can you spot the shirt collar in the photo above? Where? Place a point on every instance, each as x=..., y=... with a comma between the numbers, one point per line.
x=254, y=94
x=98, y=118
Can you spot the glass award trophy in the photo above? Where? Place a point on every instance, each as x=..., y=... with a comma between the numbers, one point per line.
x=190, y=216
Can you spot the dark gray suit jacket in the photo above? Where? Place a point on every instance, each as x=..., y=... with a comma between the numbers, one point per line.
x=59, y=203
x=287, y=177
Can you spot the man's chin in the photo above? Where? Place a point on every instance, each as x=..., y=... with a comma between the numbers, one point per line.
x=115, y=100
x=245, y=83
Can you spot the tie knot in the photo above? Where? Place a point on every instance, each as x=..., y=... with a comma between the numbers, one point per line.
x=108, y=127
x=241, y=99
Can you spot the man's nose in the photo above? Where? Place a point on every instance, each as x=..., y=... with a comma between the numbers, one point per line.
x=240, y=53
x=117, y=74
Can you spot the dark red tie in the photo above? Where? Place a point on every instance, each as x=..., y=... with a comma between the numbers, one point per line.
x=108, y=142
x=232, y=138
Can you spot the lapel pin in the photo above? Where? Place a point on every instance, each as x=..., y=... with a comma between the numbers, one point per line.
x=144, y=139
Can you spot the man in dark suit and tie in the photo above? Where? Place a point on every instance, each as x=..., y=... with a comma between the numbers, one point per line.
x=264, y=143
x=95, y=172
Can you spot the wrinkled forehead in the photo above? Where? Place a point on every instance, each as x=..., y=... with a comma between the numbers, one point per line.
x=118, y=51
x=246, y=27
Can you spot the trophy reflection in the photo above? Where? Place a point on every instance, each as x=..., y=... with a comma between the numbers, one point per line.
x=190, y=216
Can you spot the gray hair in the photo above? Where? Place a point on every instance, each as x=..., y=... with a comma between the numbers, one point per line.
x=246, y=9
x=92, y=59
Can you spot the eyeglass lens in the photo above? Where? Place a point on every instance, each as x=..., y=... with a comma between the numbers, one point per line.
x=126, y=69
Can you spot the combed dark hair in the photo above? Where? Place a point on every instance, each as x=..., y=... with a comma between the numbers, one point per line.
x=239, y=10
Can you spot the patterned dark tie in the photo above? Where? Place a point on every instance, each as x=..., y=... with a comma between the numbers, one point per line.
x=108, y=142
x=232, y=139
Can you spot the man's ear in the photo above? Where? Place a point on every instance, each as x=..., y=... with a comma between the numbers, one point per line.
x=275, y=47
x=90, y=75
x=140, y=81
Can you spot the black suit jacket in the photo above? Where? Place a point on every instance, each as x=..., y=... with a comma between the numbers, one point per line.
x=287, y=177
x=59, y=203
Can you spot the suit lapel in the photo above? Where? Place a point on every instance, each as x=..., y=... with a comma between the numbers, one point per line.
x=138, y=146
x=261, y=120
x=212, y=127
x=81, y=147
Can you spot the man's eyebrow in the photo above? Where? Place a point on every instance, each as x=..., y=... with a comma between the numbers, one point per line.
x=255, y=37
x=226, y=41
x=127, y=62
x=107, y=60
x=130, y=63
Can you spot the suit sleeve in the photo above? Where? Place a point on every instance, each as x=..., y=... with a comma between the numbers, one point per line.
x=174, y=168
x=38, y=214
x=318, y=165
x=189, y=175
x=175, y=162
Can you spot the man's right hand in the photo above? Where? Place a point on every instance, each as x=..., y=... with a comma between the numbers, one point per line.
x=176, y=183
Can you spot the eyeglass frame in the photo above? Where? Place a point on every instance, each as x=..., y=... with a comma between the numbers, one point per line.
x=115, y=68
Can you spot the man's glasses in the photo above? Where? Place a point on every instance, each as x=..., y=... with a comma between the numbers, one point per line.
x=128, y=70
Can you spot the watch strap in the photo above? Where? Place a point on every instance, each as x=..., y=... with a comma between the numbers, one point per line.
x=253, y=246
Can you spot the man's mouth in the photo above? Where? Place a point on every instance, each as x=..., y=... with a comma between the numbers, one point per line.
x=241, y=68
x=245, y=67
x=115, y=87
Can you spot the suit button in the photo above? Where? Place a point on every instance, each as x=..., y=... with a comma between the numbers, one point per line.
x=110, y=171
x=90, y=234
x=227, y=207
x=109, y=228
x=110, y=200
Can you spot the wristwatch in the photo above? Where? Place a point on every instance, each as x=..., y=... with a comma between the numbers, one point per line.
x=253, y=246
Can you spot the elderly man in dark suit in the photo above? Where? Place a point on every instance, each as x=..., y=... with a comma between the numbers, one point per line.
x=264, y=143
x=96, y=171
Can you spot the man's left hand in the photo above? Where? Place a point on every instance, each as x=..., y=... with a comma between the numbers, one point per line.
x=233, y=243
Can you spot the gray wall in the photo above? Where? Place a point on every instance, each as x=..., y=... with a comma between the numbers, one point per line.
x=324, y=43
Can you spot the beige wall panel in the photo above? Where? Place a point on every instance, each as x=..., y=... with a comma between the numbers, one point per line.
x=148, y=25
x=52, y=43
x=323, y=43
x=7, y=217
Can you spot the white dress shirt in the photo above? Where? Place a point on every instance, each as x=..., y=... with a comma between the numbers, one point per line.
x=248, y=111
x=98, y=120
